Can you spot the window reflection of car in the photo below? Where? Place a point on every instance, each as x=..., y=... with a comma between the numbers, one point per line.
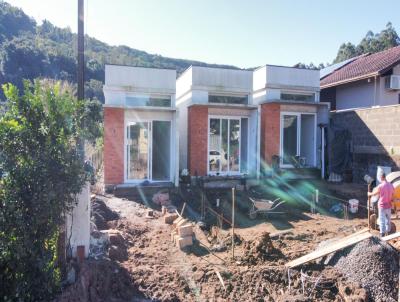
x=216, y=158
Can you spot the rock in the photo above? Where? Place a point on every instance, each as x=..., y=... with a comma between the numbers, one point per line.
x=117, y=253
x=115, y=237
x=169, y=218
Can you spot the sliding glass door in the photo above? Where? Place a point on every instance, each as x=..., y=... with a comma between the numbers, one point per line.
x=224, y=145
x=138, y=151
x=298, y=140
x=148, y=151
x=289, y=139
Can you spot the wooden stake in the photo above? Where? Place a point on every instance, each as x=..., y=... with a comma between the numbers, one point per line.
x=368, y=206
x=233, y=223
x=183, y=208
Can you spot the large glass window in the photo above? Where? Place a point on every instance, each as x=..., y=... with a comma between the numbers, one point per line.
x=298, y=97
x=145, y=101
x=226, y=99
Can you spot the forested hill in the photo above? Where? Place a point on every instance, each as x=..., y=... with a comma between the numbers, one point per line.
x=29, y=51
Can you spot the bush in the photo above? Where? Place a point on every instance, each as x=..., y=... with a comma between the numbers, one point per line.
x=42, y=174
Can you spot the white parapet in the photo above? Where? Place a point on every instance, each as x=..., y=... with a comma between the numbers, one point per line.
x=78, y=223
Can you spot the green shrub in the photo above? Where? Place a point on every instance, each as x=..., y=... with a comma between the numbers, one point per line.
x=42, y=173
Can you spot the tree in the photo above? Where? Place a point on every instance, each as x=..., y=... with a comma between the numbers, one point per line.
x=41, y=177
x=371, y=43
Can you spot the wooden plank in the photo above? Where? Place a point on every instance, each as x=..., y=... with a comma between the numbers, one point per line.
x=335, y=246
x=390, y=237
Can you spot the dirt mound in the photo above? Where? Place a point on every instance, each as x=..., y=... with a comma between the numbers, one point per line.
x=101, y=214
x=374, y=264
x=101, y=281
x=260, y=250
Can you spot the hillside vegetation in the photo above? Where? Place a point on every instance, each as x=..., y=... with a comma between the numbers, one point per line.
x=29, y=51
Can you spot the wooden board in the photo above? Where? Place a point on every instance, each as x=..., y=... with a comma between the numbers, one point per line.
x=333, y=247
x=390, y=237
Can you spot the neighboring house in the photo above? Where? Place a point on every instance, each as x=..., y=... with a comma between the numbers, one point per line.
x=235, y=122
x=364, y=93
x=140, y=131
x=363, y=82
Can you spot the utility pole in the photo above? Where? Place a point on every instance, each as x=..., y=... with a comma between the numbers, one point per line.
x=81, y=51
x=78, y=221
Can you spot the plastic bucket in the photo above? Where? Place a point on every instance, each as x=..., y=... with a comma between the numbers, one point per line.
x=353, y=205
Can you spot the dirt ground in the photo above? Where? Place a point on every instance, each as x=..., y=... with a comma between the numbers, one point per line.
x=154, y=269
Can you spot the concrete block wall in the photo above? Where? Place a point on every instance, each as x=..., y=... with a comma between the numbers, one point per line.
x=270, y=132
x=113, y=146
x=197, y=140
x=375, y=138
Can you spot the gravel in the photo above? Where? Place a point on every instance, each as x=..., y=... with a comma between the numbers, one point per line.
x=374, y=264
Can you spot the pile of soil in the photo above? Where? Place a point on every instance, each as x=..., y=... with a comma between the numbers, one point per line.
x=375, y=265
x=101, y=213
x=101, y=280
x=261, y=249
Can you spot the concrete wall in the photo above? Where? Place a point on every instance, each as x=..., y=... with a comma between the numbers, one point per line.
x=375, y=138
x=134, y=78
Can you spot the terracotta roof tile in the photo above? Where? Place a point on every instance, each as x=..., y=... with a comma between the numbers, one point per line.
x=368, y=64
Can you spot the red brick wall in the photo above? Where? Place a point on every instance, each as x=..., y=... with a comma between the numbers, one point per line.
x=270, y=131
x=113, y=146
x=197, y=140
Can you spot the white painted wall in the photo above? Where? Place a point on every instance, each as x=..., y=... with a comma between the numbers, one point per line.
x=355, y=95
x=387, y=97
x=270, y=81
x=285, y=76
x=78, y=223
x=133, y=78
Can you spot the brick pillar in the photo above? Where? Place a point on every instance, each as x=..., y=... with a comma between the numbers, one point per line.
x=197, y=140
x=270, y=132
x=113, y=146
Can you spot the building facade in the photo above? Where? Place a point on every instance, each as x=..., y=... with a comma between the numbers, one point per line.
x=140, y=131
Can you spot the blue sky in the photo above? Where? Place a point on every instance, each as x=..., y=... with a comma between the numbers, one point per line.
x=236, y=32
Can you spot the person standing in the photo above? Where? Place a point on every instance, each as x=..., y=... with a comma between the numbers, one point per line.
x=385, y=192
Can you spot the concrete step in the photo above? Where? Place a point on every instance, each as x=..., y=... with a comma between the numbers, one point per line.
x=141, y=193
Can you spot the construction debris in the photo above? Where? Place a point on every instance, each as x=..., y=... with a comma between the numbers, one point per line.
x=182, y=234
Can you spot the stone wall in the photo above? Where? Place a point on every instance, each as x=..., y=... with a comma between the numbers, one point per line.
x=375, y=138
